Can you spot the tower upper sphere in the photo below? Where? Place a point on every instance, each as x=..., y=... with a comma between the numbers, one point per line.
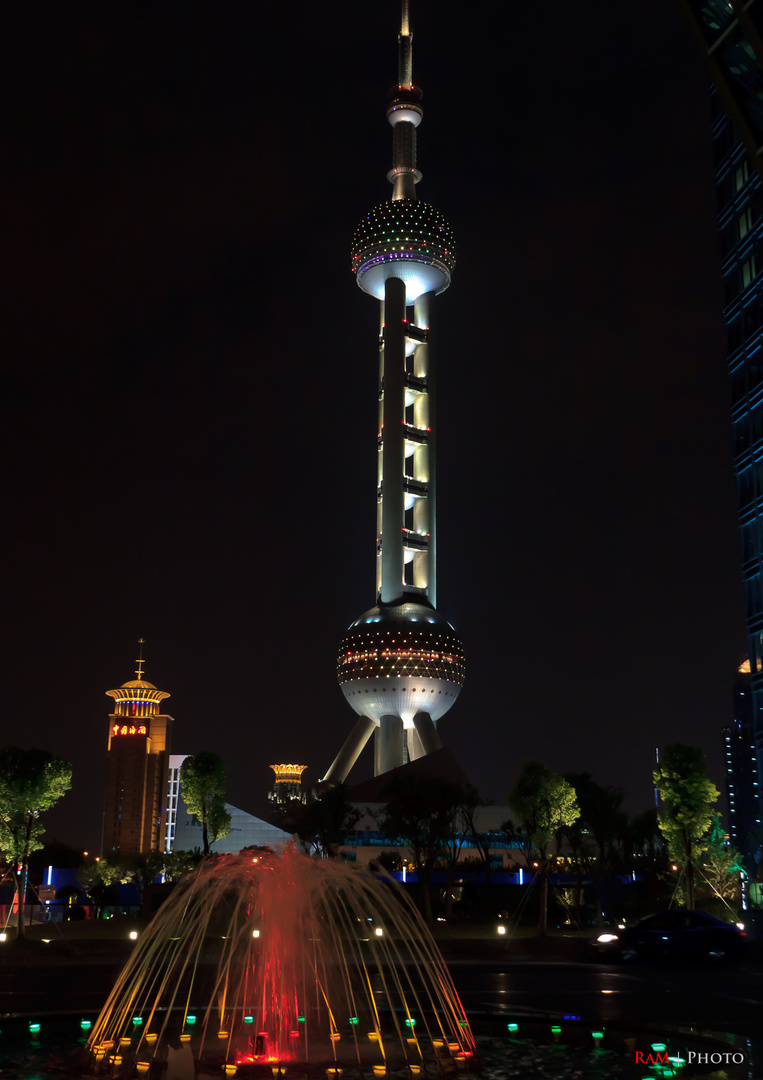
x=404, y=239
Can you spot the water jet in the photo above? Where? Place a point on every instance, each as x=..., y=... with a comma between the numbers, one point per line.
x=263, y=961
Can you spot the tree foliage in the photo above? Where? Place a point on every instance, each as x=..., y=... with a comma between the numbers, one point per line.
x=646, y=835
x=202, y=785
x=424, y=814
x=100, y=876
x=469, y=811
x=544, y=803
x=149, y=866
x=688, y=796
x=722, y=864
x=325, y=821
x=602, y=821
x=31, y=782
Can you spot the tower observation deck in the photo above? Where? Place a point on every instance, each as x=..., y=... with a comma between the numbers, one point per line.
x=401, y=664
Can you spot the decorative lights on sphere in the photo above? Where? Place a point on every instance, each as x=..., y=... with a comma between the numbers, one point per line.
x=405, y=239
x=399, y=660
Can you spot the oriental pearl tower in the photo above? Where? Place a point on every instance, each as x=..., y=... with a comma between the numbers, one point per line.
x=401, y=664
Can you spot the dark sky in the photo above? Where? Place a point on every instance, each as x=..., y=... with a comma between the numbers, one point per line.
x=190, y=380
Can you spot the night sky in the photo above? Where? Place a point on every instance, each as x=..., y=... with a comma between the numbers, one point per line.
x=189, y=406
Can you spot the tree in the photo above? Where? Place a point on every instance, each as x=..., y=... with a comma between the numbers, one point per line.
x=453, y=825
x=688, y=796
x=97, y=877
x=600, y=814
x=202, y=785
x=31, y=781
x=722, y=864
x=580, y=848
x=421, y=813
x=481, y=840
x=326, y=820
x=544, y=803
x=146, y=867
x=645, y=835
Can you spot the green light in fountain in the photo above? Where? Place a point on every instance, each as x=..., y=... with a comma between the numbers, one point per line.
x=277, y=998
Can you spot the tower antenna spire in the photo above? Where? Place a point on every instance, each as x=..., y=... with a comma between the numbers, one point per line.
x=405, y=52
x=139, y=661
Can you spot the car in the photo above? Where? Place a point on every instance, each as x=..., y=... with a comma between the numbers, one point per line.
x=679, y=933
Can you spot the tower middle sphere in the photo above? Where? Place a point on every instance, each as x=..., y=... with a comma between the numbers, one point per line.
x=400, y=660
x=404, y=239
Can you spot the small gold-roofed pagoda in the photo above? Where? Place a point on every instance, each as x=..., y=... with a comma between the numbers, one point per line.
x=137, y=697
x=288, y=784
x=288, y=772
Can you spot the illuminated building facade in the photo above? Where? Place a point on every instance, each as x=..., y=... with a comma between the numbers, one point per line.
x=173, y=800
x=287, y=785
x=730, y=36
x=182, y=830
x=742, y=770
x=401, y=664
x=137, y=766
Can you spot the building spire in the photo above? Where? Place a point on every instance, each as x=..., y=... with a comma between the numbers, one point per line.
x=139, y=661
x=405, y=51
x=404, y=114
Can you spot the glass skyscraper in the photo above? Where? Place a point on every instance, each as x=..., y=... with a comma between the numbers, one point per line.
x=730, y=34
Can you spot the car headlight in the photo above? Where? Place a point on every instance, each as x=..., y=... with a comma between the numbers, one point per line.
x=606, y=939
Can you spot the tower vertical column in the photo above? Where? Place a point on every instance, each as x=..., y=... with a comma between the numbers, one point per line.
x=393, y=441
x=380, y=456
x=424, y=517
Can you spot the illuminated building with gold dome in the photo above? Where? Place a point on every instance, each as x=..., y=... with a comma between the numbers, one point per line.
x=401, y=664
x=287, y=785
x=137, y=768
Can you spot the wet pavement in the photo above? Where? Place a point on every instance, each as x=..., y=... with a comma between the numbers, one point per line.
x=692, y=1009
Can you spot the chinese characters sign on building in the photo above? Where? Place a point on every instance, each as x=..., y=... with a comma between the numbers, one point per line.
x=129, y=729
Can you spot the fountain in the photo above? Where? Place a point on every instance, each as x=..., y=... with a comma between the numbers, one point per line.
x=261, y=962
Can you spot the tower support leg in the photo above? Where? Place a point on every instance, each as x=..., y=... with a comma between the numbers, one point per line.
x=350, y=752
x=415, y=749
x=390, y=742
x=427, y=732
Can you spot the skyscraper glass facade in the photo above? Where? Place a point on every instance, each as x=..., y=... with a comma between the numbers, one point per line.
x=731, y=38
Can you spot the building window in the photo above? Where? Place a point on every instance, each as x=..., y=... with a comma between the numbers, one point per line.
x=742, y=174
x=748, y=272
x=744, y=222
